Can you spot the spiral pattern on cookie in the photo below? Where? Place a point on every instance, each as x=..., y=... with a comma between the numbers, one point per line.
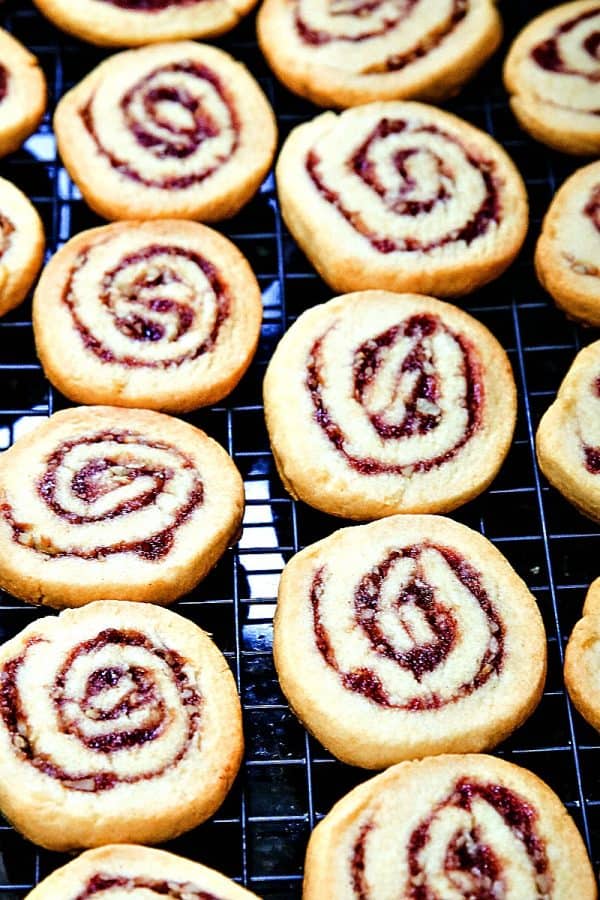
x=144, y=489
x=148, y=887
x=157, y=306
x=418, y=385
x=150, y=6
x=129, y=705
x=356, y=22
x=409, y=186
x=573, y=49
x=452, y=852
x=177, y=125
x=407, y=626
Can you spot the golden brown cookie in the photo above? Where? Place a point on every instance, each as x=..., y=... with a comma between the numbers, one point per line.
x=582, y=659
x=378, y=403
x=176, y=130
x=21, y=245
x=568, y=437
x=401, y=196
x=347, y=54
x=118, y=722
x=553, y=74
x=568, y=250
x=161, y=315
x=452, y=826
x=407, y=637
x=107, y=503
x=22, y=93
x=131, y=23
x=127, y=870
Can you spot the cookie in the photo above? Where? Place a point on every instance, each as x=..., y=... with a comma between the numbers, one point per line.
x=401, y=196
x=22, y=93
x=452, y=826
x=131, y=23
x=582, y=659
x=356, y=53
x=138, y=872
x=105, y=503
x=21, y=245
x=568, y=437
x=176, y=130
x=118, y=722
x=553, y=73
x=160, y=314
x=566, y=256
x=407, y=637
x=378, y=403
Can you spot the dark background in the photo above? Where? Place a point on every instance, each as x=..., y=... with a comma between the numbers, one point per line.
x=288, y=780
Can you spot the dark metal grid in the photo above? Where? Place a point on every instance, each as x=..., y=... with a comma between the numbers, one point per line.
x=288, y=780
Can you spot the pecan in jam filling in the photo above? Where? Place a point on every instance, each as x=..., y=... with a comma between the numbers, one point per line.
x=417, y=596
x=118, y=695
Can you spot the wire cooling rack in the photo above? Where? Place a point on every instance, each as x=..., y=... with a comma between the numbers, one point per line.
x=288, y=780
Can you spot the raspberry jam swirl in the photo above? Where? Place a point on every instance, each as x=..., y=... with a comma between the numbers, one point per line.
x=573, y=50
x=415, y=398
x=466, y=863
x=171, y=129
x=130, y=709
x=4, y=79
x=6, y=234
x=157, y=306
x=147, y=887
x=144, y=489
x=359, y=25
x=409, y=186
x=151, y=6
x=409, y=617
x=589, y=427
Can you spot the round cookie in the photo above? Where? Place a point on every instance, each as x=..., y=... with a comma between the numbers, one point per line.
x=118, y=722
x=582, y=659
x=553, y=73
x=106, y=503
x=379, y=403
x=140, y=873
x=21, y=245
x=568, y=437
x=401, y=196
x=347, y=54
x=22, y=93
x=176, y=130
x=131, y=23
x=407, y=637
x=160, y=314
x=567, y=252
x=450, y=826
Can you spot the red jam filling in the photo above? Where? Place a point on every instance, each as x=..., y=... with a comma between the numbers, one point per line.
x=150, y=6
x=548, y=56
x=422, y=658
x=172, y=890
x=427, y=387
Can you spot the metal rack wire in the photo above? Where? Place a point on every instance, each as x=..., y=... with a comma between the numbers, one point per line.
x=288, y=781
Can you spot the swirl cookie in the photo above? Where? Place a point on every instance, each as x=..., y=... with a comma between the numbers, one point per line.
x=131, y=23
x=106, y=503
x=469, y=826
x=22, y=93
x=21, y=245
x=566, y=256
x=118, y=722
x=407, y=637
x=176, y=130
x=568, y=437
x=160, y=314
x=582, y=659
x=553, y=73
x=141, y=873
x=378, y=403
x=401, y=196
x=344, y=54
